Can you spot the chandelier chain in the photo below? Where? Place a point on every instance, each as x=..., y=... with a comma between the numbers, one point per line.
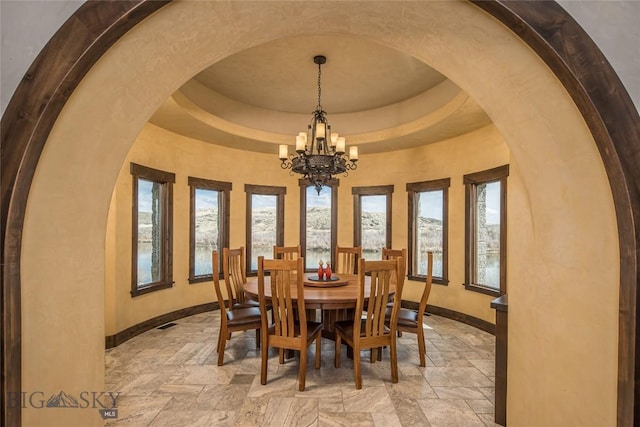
x=320, y=154
x=319, y=85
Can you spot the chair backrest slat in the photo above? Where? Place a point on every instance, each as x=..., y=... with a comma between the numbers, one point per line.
x=347, y=259
x=388, y=253
x=234, y=274
x=428, y=282
x=286, y=252
x=215, y=264
x=287, y=293
x=381, y=273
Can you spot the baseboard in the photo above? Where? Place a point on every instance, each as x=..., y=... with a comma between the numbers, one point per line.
x=122, y=336
x=132, y=331
x=483, y=325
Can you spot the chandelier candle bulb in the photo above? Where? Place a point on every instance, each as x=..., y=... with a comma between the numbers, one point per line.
x=353, y=153
x=320, y=153
x=284, y=152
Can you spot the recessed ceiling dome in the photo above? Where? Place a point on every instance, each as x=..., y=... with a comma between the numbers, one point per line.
x=359, y=75
x=377, y=97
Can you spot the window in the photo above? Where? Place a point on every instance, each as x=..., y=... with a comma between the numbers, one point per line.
x=485, y=230
x=428, y=229
x=152, y=234
x=208, y=225
x=265, y=222
x=372, y=219
x=318, y=223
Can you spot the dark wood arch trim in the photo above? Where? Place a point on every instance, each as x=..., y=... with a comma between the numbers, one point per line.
x=25, y=127
x=547, y=28
x=614, y=123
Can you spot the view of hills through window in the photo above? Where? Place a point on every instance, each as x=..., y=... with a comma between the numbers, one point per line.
x=149, y=232
x=263, y=227
x=318, y=231
x=488, y=235
x=373, y=223
x=429, y=231
x=207, y=229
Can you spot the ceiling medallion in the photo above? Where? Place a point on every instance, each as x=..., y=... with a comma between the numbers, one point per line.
x=320, y=154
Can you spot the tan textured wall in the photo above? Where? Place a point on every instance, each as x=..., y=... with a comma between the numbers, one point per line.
x=185, y=157
x=563, y=269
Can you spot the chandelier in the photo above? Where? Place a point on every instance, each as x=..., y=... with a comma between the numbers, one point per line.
x=320, y=154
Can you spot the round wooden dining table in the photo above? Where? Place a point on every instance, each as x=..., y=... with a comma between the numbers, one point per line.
x=335, y=302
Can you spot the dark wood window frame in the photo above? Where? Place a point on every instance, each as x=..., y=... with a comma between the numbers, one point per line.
x=167, y=179
x=224, y=196
x=418, y=187
x=333, y=184
x=265, y=190
x=471, y=181
x=377, y=190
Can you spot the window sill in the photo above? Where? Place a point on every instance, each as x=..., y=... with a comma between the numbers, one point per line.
x=151, y=288
x=200, y=279
x=482, y=289
x=434, y=280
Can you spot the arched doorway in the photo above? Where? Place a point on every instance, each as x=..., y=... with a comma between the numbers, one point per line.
x=612, y=123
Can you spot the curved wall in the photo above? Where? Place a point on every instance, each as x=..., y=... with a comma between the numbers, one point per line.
x=161, y=149
x=563, y=288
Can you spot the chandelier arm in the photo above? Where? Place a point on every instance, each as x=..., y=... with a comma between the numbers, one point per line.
x=319, y=156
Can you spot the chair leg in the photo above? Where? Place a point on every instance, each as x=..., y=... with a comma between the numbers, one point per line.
x=221, y=351
x=357, y=373
x=265, y=359
x=302, y=370
x=219, y=341
x=373, y=352
x=281, y=355
x=257, y=338
x=394, y=360
x=336, y=362
x=380, y=353
x=318, y=348
x=421, y=347
x=222, y=339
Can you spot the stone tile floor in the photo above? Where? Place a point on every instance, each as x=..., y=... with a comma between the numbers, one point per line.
x=170, y=378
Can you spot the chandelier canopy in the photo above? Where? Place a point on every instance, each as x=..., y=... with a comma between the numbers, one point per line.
x=320, y=154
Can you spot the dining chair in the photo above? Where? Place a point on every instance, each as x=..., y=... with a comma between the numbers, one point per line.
x=286, y=252
x=347, y=259
x=388, y=253
x=232, y=319
x=410, y=320
x=368, y=329
x=290, y=328
x=233, y=271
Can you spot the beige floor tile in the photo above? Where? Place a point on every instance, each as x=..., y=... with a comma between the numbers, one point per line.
x=449, y=413
x=170, y=378
x=345, y=419
x=170, y=418
x=409, y=412
x=456, y=377
x=385, y=420
x=374, y=399
x=459, y=393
